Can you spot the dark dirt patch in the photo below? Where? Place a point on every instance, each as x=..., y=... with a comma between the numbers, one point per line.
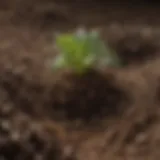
x=93, y=95
x=41, y=113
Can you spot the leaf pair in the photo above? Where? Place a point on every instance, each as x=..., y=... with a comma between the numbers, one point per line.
x=83, y=50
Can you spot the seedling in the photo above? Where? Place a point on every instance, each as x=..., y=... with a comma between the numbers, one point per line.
x=82, y=51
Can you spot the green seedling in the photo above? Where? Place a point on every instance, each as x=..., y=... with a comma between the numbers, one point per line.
x=82, y=51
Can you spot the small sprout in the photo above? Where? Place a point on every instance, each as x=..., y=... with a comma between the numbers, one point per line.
x=82, y=51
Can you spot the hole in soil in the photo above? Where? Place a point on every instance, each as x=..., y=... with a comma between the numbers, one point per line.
x=87, y=98
x=135, y=50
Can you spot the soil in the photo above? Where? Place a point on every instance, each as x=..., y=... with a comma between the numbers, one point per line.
x=109, y=114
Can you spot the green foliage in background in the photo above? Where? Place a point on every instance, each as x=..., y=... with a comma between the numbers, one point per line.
x=83, y=50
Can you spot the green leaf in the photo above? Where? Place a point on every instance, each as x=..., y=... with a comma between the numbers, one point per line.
x=83, y=50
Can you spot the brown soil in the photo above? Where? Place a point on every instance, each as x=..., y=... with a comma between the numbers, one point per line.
x=110, y=114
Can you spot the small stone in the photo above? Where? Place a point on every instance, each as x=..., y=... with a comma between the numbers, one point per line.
x=140, y=138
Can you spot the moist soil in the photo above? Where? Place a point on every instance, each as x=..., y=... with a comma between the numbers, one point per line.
x=109, y=114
